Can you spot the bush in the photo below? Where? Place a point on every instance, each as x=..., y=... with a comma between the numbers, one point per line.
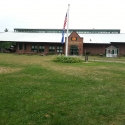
x=65, y=59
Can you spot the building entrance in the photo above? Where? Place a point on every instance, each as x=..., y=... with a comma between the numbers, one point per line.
x=73, y=50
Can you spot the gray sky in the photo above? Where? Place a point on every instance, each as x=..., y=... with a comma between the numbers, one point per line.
x=83, y=14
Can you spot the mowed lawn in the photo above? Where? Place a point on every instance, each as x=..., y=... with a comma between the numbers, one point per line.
x=34, y=90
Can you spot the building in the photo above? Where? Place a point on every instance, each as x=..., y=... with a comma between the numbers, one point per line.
x=109, y=42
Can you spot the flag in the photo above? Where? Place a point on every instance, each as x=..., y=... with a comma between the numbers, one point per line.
x=63, y=31
x=65, y=21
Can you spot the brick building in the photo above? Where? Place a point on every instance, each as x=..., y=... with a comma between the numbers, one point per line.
x=109, y=42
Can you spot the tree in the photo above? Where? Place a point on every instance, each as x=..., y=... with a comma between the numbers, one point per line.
x=6, y=30
x=5, y=45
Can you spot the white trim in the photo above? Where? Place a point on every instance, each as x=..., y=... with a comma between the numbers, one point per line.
x=111, y=51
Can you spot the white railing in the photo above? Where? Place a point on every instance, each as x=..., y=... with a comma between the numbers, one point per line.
x=111, y=55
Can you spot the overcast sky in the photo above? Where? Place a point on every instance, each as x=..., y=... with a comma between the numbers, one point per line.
x=83, y=14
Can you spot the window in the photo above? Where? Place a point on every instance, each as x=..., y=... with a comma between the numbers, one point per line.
x=51, y=48
x=115, y=51
x=20, y=46
x=59, y=49
x=34, y=48
x=41, y=48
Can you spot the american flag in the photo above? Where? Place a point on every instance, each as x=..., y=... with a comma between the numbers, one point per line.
x=65, y=21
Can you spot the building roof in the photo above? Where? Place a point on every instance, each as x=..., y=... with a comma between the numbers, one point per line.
x=70, y=30
x=30, y=37
x=56, y=37
x=103, y=38
x=111, y=47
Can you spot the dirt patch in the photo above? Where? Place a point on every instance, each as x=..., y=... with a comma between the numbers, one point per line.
x=8, y=70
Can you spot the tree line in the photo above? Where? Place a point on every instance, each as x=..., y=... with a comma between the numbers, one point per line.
x=4, y=45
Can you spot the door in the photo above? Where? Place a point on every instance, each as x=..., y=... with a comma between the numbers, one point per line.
x=73, y=50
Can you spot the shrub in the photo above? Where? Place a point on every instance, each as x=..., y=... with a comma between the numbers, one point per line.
x=65, y=59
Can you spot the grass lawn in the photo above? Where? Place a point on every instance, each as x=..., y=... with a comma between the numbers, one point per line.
x=34, y=90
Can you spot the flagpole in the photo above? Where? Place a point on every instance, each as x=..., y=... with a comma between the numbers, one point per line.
x=67, y=30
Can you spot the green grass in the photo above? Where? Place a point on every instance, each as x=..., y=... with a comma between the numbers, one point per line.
x=34, y=90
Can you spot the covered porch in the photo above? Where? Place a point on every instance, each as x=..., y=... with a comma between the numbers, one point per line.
x=111, y=51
